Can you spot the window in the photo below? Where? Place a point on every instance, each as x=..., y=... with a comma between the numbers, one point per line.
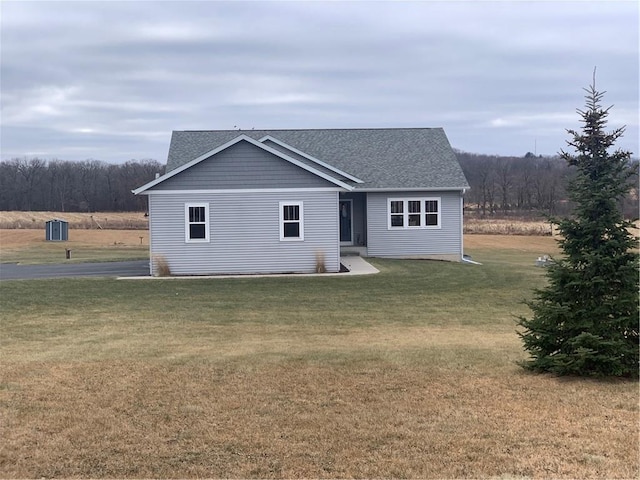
x=414, y=213
x=291, y=221
x=397, y=213
x=196, y=222
x=432, y=214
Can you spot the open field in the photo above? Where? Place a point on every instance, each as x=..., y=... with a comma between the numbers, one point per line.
x=507, y=226
x=77, y=220
x=29, y=246
x=407, y=373
x=137, y=221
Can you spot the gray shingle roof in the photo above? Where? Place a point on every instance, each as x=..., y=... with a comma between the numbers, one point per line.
x=385, y=158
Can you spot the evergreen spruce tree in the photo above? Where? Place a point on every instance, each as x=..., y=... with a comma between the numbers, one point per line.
x=585, y=321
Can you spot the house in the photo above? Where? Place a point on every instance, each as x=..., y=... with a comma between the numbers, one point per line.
x=277, y=201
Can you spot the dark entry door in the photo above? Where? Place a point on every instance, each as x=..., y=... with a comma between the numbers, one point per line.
x=346, y=222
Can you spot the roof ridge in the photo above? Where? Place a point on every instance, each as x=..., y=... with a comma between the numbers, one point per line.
x=310, y=129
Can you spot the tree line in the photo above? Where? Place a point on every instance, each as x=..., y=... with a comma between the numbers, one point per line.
x=500, y=186
x=528, y=186
x=64, y=186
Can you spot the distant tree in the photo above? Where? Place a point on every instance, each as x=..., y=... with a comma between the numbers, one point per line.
x=62, y=180
x=585, y=321
x=31, y=175
x=59, y=185
x=504, y=186
x=524, y=192
x=9, y=185
x=505, y=179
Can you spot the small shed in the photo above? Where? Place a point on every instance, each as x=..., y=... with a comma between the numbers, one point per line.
x=57, y=230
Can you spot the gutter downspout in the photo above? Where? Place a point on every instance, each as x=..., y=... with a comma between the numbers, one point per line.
x=464, y=190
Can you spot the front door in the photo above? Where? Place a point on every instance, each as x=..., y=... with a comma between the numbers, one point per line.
x=346, y=222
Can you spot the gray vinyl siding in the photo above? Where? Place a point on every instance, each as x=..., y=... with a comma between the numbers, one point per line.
x=245, y=233
x=445, y=241
x=243, y=165
x=306, y=161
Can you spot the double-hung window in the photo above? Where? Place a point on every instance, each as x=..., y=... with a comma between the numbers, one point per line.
x=396, y=213
x=432, y=212
x=291, y=221
x=413, y=213
x=196, y=222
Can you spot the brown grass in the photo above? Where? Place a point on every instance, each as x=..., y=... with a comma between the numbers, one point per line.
x=524, y=243
x=320, y=262
x=77, y=220
x=508, y=226
x=161, y=266
x=21, y=238
x=105, y=389
x=178, y=399
x=137, y=221
x=363, y=419
x=30, y=246
x=14, y=241
x=500, y=226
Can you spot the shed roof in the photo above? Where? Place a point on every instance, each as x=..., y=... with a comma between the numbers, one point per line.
x=383, y=159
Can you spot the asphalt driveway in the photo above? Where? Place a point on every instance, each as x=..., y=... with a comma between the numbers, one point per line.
x=12, y=271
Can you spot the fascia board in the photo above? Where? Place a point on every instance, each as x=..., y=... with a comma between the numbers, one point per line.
x=243, y=191
x=414, y=189
x=312, y=158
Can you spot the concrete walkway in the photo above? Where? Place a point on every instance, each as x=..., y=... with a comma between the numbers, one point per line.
x=356, y=265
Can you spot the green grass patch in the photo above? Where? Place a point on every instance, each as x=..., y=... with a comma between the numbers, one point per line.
x=407, y=373
x=98, y=318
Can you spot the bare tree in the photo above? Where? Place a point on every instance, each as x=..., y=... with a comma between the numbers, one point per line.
x=57, y=185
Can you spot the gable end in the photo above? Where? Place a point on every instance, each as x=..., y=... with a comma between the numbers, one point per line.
x=243, y=163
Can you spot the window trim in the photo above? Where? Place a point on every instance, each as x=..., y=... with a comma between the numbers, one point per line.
x=423, y=213
x=187, y=223
x=300, y=220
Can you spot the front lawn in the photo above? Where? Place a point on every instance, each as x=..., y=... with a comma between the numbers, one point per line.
x=407, y=373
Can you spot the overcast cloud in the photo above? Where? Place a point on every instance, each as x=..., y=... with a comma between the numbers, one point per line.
x=110, y=80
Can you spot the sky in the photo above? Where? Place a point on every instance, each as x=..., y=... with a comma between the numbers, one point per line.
x=110, y=80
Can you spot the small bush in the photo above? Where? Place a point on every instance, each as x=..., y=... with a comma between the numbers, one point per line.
x=161, y=266
x=320, y=265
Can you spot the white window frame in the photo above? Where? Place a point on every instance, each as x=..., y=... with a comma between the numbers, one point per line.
x=300, y=220
x=423, y=213
x=187, y=223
